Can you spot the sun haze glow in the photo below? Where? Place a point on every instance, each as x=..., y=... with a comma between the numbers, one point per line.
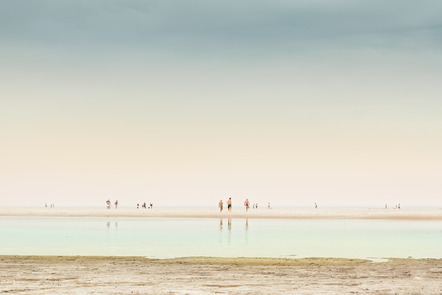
x=184, y=103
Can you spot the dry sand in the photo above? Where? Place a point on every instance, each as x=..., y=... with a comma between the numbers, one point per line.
x=137, y=275
x=404, y=214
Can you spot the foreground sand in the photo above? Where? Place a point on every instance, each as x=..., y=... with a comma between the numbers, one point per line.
x=402, y=214
x=137, y=275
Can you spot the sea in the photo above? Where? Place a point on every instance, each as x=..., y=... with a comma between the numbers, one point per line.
x=160, y=238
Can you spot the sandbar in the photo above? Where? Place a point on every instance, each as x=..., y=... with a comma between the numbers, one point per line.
x=399, y=214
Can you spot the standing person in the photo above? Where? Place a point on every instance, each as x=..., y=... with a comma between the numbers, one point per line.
x=116, y=204
x=268, y=206
x=316, y=206
x=229, y=204
x=246, y=203
x=220, y=205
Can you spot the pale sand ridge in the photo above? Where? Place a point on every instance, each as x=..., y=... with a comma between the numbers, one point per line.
x=403, y=214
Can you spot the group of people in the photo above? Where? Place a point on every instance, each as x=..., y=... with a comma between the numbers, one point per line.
x=144, y=205
x=108, y=204
x=397, y=206
x=52, y=205
x=229, y=205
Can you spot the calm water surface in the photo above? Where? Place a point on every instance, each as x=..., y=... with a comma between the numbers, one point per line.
x=180, y=237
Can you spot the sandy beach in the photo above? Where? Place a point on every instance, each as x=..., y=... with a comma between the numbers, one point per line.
x=137, y=275
x=211, y=275
x=405, y=214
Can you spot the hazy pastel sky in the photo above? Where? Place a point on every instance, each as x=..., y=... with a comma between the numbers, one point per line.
x=182, y=102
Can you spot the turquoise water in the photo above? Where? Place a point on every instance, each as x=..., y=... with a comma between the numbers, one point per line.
x=181, y=237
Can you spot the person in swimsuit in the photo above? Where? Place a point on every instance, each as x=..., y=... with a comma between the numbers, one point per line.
x=246, y=203
x=229, y=204
x=220, y=205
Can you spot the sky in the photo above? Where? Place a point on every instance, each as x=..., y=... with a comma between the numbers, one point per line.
x=186, y=102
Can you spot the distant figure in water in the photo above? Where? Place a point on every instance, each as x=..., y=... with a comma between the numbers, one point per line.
x=268, y=206
x=116, y=204
x=229, y=204
x=399, y=205
x=247, y=204
x=316, y=206
x=138, y=206
x=385, y=206
x=46, y=205
x=151, y=206
x=256, y=205
x=108, y=203
x=220, y=205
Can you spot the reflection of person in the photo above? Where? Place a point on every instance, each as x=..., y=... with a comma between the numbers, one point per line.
x=220, y=205
x=246, y=203
x=229, y=204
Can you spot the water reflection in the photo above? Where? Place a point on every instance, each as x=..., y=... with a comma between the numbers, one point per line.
x=229, y=226
x=229, y=230
x=247, y=231
x=108, y=225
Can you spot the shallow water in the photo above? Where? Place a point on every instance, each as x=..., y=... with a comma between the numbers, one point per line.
x=181, y=237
